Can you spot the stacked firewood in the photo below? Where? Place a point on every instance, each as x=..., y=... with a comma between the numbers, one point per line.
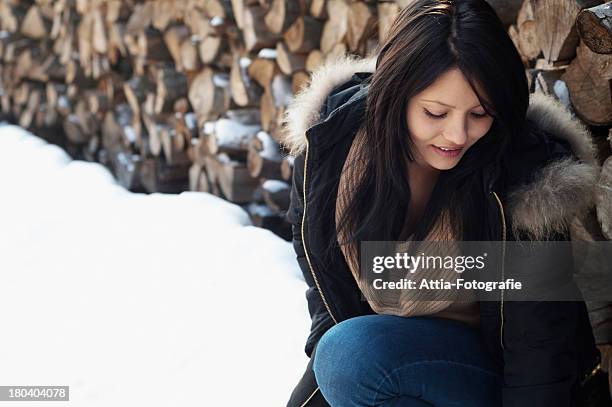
x=188, y=94
x=571, y=59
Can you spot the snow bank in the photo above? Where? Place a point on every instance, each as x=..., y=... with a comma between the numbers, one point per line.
x=140, y=300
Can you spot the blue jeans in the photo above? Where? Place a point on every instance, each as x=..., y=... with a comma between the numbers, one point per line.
x=392, y=361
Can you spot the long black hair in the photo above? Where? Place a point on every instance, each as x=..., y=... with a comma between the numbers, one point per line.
x=428, y=38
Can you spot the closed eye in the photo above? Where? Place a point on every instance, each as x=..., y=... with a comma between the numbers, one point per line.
x=428, y=113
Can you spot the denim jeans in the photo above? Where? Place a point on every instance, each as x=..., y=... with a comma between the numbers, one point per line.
x=392, y=361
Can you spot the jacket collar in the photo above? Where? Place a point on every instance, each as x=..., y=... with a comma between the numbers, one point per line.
x=546, y=203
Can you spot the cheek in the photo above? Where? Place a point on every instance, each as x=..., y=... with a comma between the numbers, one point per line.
x=480, y=129
x=422, y=130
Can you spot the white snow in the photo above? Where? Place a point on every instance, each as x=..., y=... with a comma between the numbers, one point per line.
x=231, y=133
x=267, y=53
x=140, y=300
x=270, y=148
x=274, y=185
x=221, y=79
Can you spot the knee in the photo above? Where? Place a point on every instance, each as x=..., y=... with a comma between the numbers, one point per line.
x=340, y=353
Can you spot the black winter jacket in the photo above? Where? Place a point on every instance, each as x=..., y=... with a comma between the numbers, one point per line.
x=541, y=367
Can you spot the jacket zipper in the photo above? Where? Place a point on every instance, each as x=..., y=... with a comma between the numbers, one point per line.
x=501, y=308
x=314, y=276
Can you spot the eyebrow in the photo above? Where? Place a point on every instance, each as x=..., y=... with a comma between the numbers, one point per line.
x=436, y=101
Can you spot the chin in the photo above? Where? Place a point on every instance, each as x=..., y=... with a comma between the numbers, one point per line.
x=444, y=164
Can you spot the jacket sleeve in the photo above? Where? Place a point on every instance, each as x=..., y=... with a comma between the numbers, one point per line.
x=600, y=314
x=321, y=320
x=539, y=357
x=541, y=343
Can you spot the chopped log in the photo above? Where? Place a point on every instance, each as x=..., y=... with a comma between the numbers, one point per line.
x=256, y=35
x=337, y=51
x=16, y=46
x=163, y=13
x=555, y=28
x=34, y=101
x=198, y=179
x=244, y=91
x=157, y=176
x=171, y=86
x=238, y=7
x=262, y=70
x=546, y=80
x=588, y=79
x=595, y=28
x=170, y=147
x=74, y=130
x=151, y=46
x=526, y=32
x=99, y=38
x=304, y=35
x=299, y=80
x=318, y=9
x=208, y=94
x=219, y=9
x=211, y=50
x=135, y=90
x=190, y=60
x=198, y=23
x=34, y=24
x=262, y=216
x=88, y=121
x=282, y=14
x=263, y=158
x=603, y=198
x=244, y=116
x=287, y=61
x=506, y=10
x=173, y=38
x=140, y=18
x=154, y=128
x=11, y=15
x=231, y=138
x=586, y=228
x=97, y=102
x=360, y=21
x=275, y=96
x=117, y=10
x=117, y=47
x=387, y=13
x=334, y=30
x=276, y=194
x=117, y=130
x=234, y=180
x=314, y=60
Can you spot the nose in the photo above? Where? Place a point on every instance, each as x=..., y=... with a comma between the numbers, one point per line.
x=456, y=133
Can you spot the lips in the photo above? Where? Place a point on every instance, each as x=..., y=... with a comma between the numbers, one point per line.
x=449, y=148
x=447, y=152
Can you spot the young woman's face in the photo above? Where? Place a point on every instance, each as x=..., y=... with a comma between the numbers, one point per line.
x=440, y=142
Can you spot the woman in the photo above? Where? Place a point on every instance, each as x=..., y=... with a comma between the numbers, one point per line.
x=436, y=136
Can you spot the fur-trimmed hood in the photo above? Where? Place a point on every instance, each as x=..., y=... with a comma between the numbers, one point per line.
x=556, y=193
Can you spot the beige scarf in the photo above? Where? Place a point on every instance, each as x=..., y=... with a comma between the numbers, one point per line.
x=450, y=304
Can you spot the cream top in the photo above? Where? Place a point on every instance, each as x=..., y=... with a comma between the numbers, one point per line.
x=407, y=302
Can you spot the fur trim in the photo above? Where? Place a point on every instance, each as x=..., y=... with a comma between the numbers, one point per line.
x=303, y=110
x=562, y=189
x=559, y=191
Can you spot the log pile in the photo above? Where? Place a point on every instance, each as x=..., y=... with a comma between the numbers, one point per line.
x=571, y=59
x=177, y=95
